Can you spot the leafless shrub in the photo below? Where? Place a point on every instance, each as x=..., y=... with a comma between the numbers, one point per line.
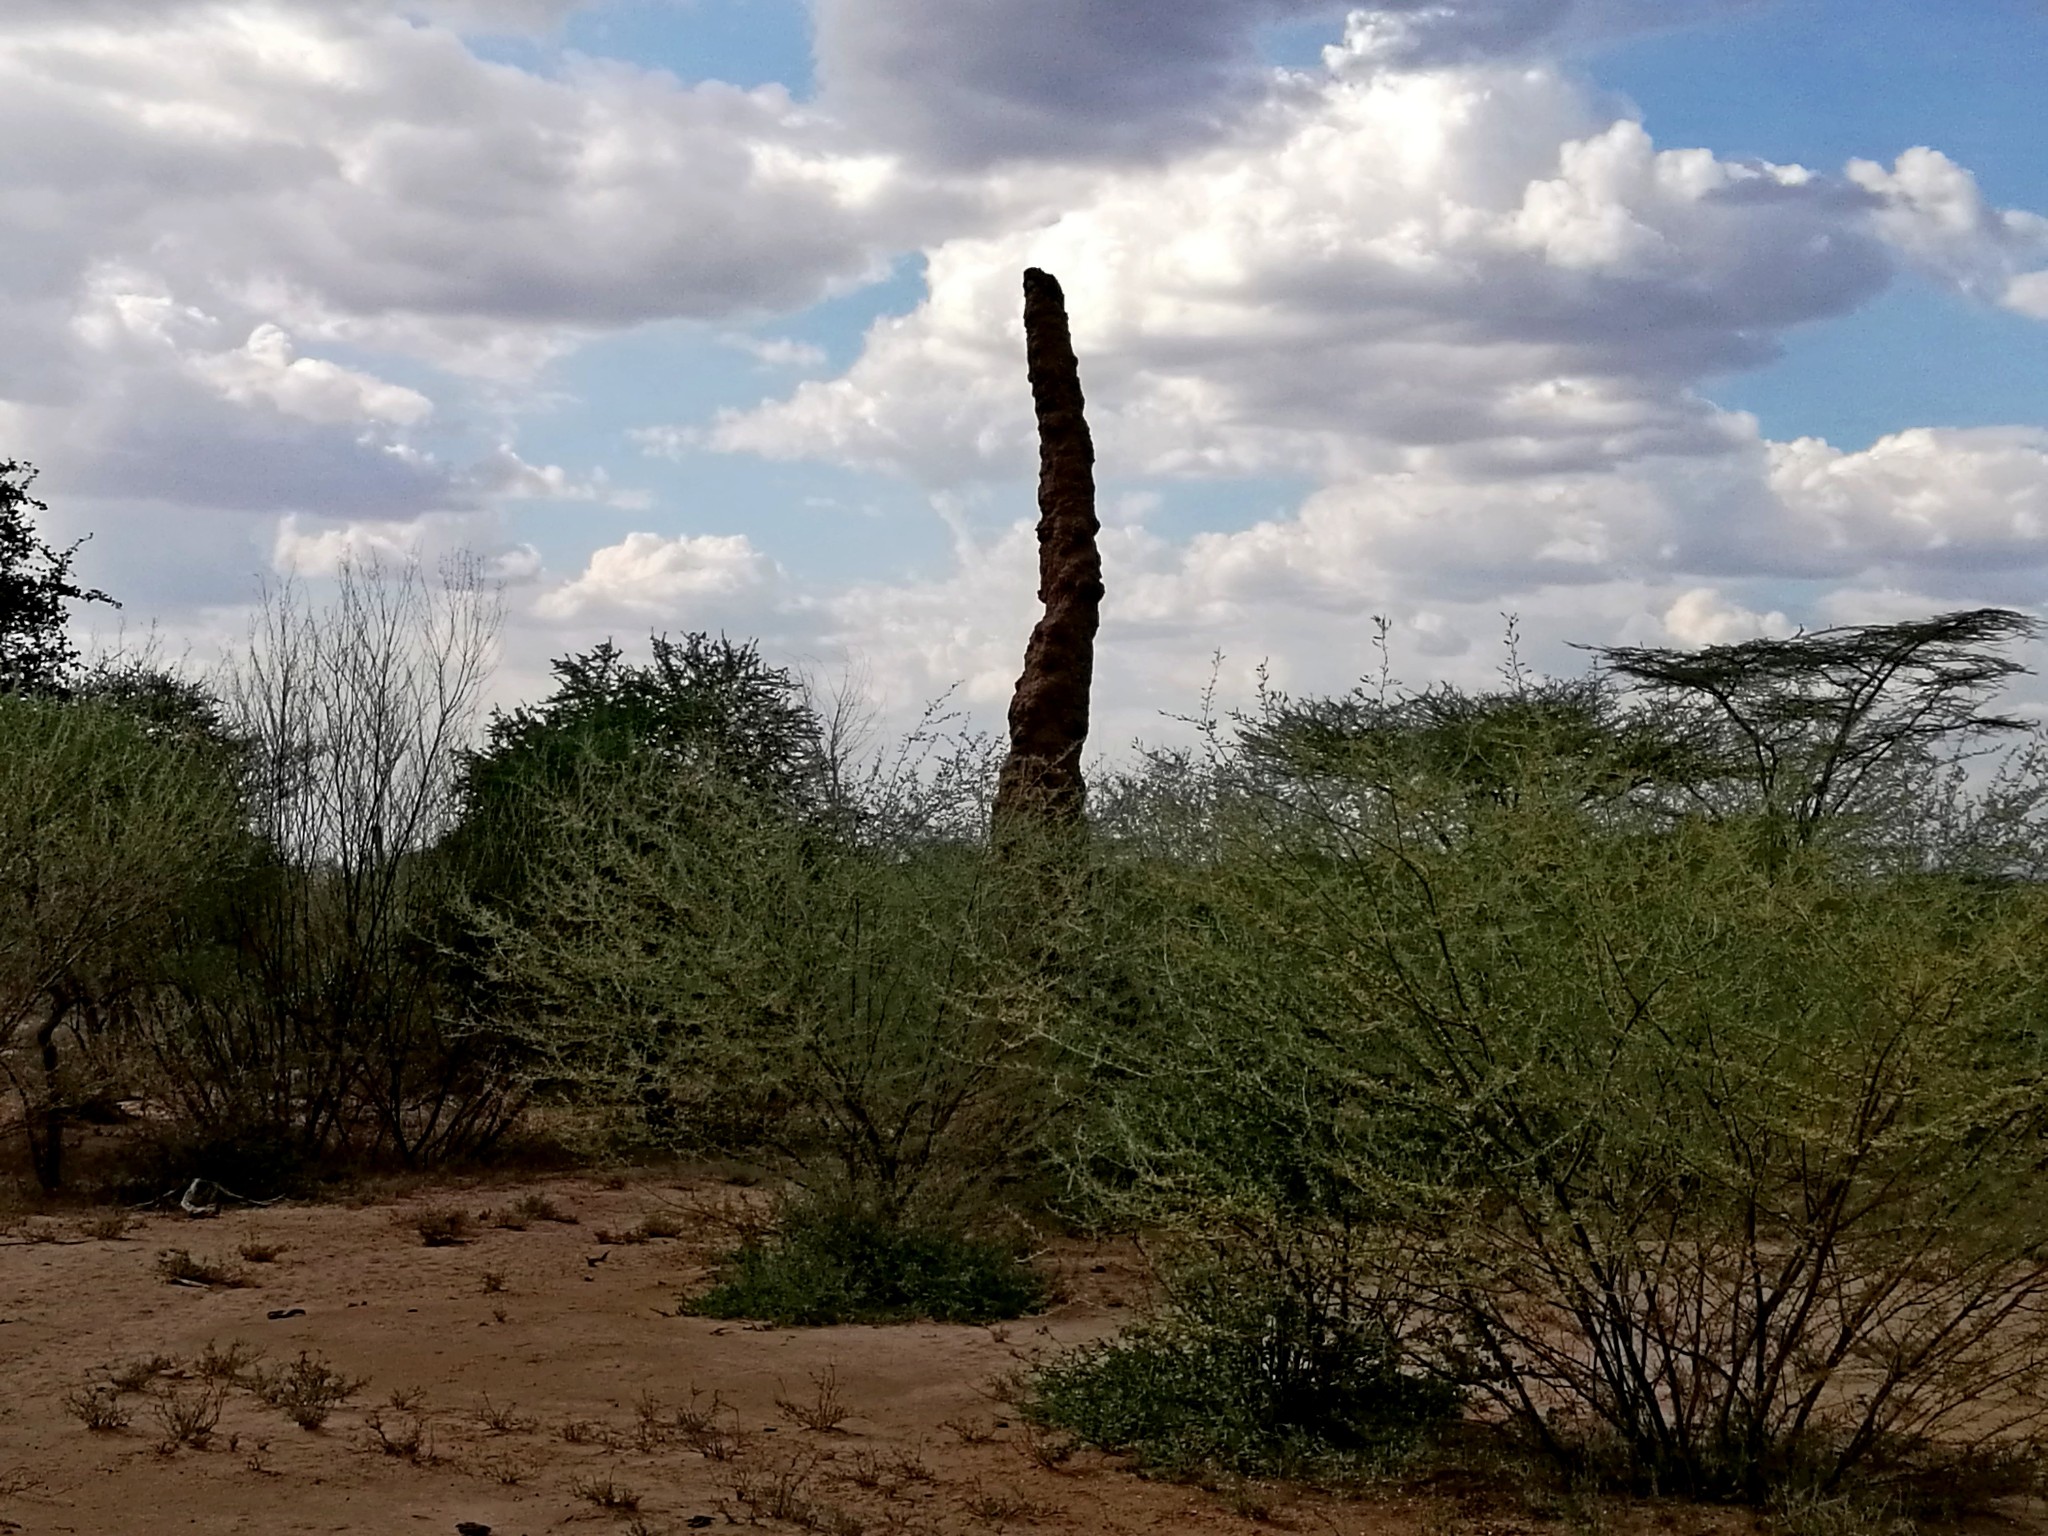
x=98, y=1406
x=188, y=1419
x=826, y=1410
x=503, y=1421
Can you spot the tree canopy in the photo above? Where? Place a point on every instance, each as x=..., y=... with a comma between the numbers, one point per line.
x=36, y=586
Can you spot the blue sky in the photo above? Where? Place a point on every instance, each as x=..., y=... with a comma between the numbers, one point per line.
x=701, y=314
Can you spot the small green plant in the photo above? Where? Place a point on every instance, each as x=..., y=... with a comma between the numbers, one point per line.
x=830, y=1264
x=307, y=1390
x=98, y=1406
x=176, y=1266
x=1245, y=1372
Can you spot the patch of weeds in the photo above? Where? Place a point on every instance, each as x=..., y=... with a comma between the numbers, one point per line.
x=627, y=1238
x=606, y=1495
x=969, y=1431
x=825, y=1411
x=177, y=1266
x=503, y=1421
x=409, y=1438
x=508, y=1219
x=697, y=1425
x=98, y=1406
x=661, y=1226
x=139, y=1372
x=188, y=1419
x=405, y=1399
x=1048, y=1452
x=505, y=1469
x=307, y=1390
x=1000, y=1506
x=261, y=1251
x=588, y=1432
x=231, y=1365
x=540, y=1207
x=442, y=1228
x=867, y=1470
x=830, y=1264
x=491, y=1282
x=109, y=1226
x=1249, y=1376
x=782, y=1494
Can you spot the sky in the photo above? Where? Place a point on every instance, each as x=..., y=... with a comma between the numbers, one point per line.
x=1665, y=322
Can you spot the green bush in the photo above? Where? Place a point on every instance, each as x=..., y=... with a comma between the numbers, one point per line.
x=1251, y=1369
x=1711, y=1162
x=832, y=1263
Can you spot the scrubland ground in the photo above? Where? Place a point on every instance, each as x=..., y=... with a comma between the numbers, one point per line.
x=533, y=1376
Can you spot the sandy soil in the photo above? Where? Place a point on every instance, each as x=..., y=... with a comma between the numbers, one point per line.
x=530, y=1380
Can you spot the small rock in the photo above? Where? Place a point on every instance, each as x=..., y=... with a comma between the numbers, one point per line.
x=472, y=1528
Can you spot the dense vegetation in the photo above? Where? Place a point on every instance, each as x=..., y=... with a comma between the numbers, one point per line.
x=1648, y=1064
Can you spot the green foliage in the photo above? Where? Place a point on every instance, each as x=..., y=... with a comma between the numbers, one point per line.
x=108, y=831
x=1710, y=1163
x=831, y=1262
x=35, y=587
x=708, y=972
x=698, y=705
x=1253, y=1368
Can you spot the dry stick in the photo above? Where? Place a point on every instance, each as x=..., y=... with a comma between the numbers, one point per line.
x=1041, y=777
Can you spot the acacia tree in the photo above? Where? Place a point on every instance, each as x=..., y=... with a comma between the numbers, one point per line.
x=1815, y=726
x=35, y=586
x=108, y=830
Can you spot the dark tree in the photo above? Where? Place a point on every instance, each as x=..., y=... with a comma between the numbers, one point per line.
x=700, y=702
x=1811, y=727
x=1041, y=777
x=35, y=587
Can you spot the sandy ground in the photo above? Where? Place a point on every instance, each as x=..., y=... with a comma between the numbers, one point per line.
x=531, y=1380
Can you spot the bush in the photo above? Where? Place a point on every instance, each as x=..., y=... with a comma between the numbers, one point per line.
x=1254, y=1369
x=831, y=1263
x=1710, y=1162
x=699, y=970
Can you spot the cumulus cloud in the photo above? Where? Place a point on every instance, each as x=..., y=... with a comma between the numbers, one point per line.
x=1933, y=211
x=1466, y=267
x=665, y=579
x=1004, y=80
x=264, y=368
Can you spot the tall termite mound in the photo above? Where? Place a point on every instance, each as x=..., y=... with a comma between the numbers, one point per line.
x=1041, y=776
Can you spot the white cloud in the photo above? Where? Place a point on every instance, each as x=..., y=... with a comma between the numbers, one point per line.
x=1934, y=212
x=315, y=551
x=502, y=472
x=309, y=388
x=646, y=575
x=1466, y=267
x=1702, y=616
